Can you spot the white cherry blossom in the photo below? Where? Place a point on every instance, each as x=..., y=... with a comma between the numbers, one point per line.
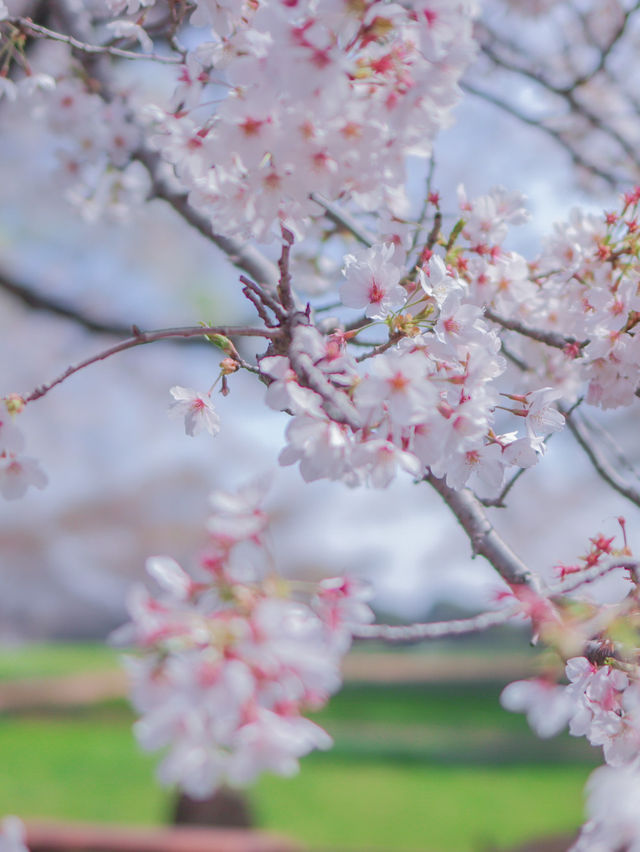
x=372, y=282
x=197, y=410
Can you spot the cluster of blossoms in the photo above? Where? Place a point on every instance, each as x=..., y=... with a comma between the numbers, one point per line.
x=17, y=472
x=426, y=399
x=233, y=657
x=275, y=102
x=583, y=288
x=601, y=700
x=312, y=98
x=94, y=136
x=281, y=107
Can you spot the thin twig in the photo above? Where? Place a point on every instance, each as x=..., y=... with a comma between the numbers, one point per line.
x=602, y=466
x=612, y=179
x=550, y=338
x=344, y=220
x=259, y=306
x=435, y=629
x=382, y=347
x=498, y=502
x=265, y=298
x=27, y=26
x=574, y=581
x=140, y=338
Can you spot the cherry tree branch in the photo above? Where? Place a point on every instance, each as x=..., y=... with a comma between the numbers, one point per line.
x=599, y=462
x=241, y=253
x=606, y=51
x=28, y=27
x=334, y=401
x=578, y=159
x=436, y=629
x=550, y=338
x=38, y=301
x=343, y=220
x=484, y=539
x=574, y=581
x=285, y=295
x=511, y=57
x=140, y=338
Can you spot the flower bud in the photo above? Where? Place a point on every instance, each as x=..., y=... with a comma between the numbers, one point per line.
x=14, y=403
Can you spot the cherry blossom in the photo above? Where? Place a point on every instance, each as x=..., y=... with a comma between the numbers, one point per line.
x=18, y=473
x=13, y=834
x=231, y=664
x=372, y=282
x=197, y=410
x=548, y=706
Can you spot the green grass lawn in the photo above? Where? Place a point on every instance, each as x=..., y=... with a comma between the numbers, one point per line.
x=56, y=659
x=415, y=767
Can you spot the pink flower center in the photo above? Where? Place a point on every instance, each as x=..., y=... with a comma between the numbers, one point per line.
x=376, y=292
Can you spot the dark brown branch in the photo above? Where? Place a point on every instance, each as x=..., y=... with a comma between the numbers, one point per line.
x=284, y=284
x=265, y=299
x=40, y=302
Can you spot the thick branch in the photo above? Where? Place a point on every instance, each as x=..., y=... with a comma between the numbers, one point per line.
x=240, y=253
x=40, y=302
x=483, y=537
x=334, y=401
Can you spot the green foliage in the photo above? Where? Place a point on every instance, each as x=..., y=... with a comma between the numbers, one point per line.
x=56, y=659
